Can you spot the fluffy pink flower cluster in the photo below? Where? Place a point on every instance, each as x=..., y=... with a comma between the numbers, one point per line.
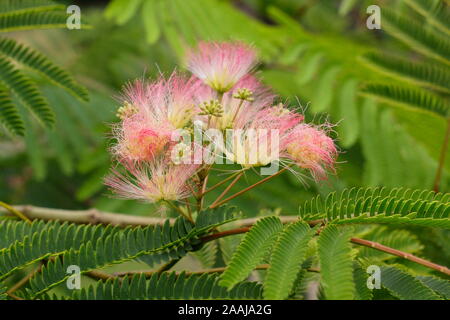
x=222, y=94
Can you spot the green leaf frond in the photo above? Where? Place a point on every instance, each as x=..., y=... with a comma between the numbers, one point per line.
x=251, y=250
x=436, y=14
x=38, y=62
x=31, y=20
x=408, y=96
x=336, y=265
x=9, y=115
x=25, y=243
x=288, y=254
x=21, y=6
x=381, y=205
x=429, y=75
x=438, y=285
x=93, y=247
x=26, y=90
x=404, y=286
x=3, y=295
x=413, y=34
x=360, y=276
x=167, y=286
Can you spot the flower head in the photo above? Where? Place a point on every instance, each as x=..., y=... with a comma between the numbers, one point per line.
x=170, y=102
x=312, y=149
x=159, y=119
x=152, y=114
x=137, y=141
x=260, y=141
x=221, y=64
x=153, y=181
x=239, y=108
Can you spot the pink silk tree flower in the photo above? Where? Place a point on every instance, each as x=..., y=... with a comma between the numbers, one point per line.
x=138, y=141
x=241, y=104
x=261, y=141
x=152, y=114
x=151, y=182
x=221, y=64
x=169, y=102
x=310, y=148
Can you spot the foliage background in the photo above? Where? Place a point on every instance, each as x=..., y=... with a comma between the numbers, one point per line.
x=311, y=54
x=309, y=51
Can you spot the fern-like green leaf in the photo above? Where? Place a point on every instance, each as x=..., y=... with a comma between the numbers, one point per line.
x=420, y=73
x=251, y=250
x=40, y=63
x=12, y=231
x=303, y=278
x=336, y=266
x=30, y=20
x=160, y=243
x=404, y=286
x=45, y=240
x=287, y=257
x=26, y=90
x=428, y=43
x=3, y=295
x=362, y=292
x=407, y=96
x=168, y=286
x=436, y=14
x=9, y=115
x=440, y=286
x=21, y=6
x=381, y=205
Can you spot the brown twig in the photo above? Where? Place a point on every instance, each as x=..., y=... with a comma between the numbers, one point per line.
x=401, y=254
x=91, y=216
x=94, y=216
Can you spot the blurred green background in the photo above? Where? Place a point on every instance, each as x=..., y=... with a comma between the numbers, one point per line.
x=310, y=54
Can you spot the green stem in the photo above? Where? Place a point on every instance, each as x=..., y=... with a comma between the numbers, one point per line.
x=15, y=211
x=179, y=211
x=237, y=111
x=222, y=182
x=227, y=189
